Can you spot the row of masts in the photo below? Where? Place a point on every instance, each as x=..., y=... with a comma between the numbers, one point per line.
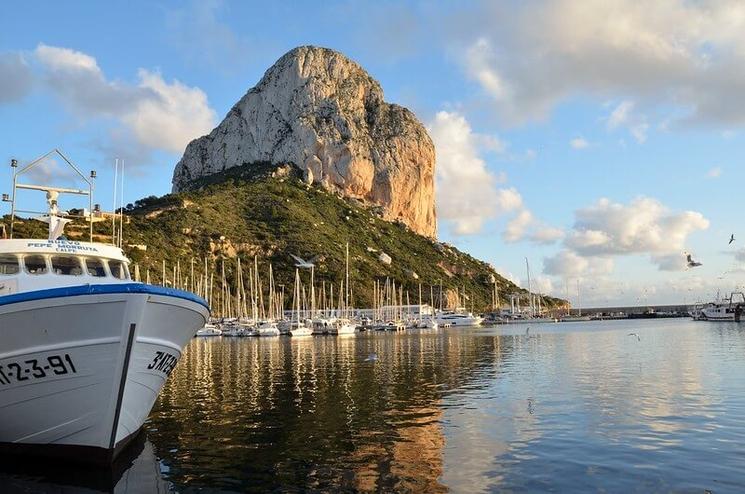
x=250, y=296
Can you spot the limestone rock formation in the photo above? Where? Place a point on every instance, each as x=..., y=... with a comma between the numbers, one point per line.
x=322, y=112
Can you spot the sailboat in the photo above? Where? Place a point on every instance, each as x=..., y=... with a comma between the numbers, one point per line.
x=298, y=328
x=344, y=325
x=86, y=350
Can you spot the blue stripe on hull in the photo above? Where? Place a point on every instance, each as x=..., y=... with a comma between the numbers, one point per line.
x=71, y=291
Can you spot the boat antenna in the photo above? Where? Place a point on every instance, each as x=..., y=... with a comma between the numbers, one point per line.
x=121, y=209
x=48, y=189
x=113, y=202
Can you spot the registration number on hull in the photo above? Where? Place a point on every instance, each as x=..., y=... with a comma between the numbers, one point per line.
x=163, y=362
x=35, y=369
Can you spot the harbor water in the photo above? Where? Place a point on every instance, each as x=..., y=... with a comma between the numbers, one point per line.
x=568, y=407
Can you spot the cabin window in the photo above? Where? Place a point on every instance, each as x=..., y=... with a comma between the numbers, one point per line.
x=8, y=265
x=66, y=265
x=95, y=267
x=35, y=264
x=118, y=269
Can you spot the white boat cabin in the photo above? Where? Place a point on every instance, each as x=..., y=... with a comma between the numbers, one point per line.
x=27, y=265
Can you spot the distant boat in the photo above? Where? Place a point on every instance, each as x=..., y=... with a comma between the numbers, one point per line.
x=301, y=331
x=342, y=326
x=209, y=330
x=265, y=328
x=298, y=326
x=429, y=323
x=456, y=318
x=574, y=318
x=726, y=309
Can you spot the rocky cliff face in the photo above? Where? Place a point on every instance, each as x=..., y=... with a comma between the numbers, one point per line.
x=319, y=110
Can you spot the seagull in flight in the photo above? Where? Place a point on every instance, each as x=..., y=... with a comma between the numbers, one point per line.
x=691, y=262
x=731, y=238
x=637, y=336
x=302, y=263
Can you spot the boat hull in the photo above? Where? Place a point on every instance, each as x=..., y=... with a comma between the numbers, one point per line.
x=80, y=368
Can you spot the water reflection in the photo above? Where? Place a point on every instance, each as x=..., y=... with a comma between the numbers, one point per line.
x=569, y=407
x=313, y=412
x=136, y=471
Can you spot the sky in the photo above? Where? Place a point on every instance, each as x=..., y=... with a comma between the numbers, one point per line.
x=599, y=140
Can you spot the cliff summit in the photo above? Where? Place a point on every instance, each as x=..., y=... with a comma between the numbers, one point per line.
x=322, y=112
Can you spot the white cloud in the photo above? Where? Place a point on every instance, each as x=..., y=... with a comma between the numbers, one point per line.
x=642, y=227
x=579, y=143
x=154, y=113
x=546, y=235
x=480, y=64
x=508, y=199
x=525, y=226
x=715, y=172
x=673, y=56
x=490, y=143
x=517, y=226
x=624, y=116
x=176, y=116
x=15, y=77
x=467, y=195
x=539, y=284
x=568, y=264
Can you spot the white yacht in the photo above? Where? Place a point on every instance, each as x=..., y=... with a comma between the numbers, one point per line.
x=457, y=318
x=209, y=330
x=265, y=328
x=301, y=330
x=342, y=326
x=429, y=323
x=725, y=309
x=84, y=349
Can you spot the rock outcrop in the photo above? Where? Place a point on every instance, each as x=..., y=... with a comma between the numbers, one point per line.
x=322, y=112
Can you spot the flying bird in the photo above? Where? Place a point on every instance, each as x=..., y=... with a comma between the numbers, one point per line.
x=691, y=262
x=302, y=263
x=637, y=336
x=731, y=238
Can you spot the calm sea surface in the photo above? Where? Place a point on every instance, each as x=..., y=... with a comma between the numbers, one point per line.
x=571, y=407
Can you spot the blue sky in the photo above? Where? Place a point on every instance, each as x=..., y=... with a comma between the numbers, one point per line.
x=599, y=141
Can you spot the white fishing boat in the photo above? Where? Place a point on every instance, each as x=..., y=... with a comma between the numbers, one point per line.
x=85, y=350
x=725, y=309
x=209, y=330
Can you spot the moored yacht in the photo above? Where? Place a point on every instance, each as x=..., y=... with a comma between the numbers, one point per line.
x=265, y=328
x=457, y=318
x=209, y=330
x=84, y=349
x=342, y=326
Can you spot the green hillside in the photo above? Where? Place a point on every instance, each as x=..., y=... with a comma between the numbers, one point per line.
x=269, y=212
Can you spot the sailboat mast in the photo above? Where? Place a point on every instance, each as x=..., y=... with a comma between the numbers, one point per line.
x=530, y=290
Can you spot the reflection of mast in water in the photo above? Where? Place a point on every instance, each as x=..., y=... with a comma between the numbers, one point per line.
x=303, y=362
